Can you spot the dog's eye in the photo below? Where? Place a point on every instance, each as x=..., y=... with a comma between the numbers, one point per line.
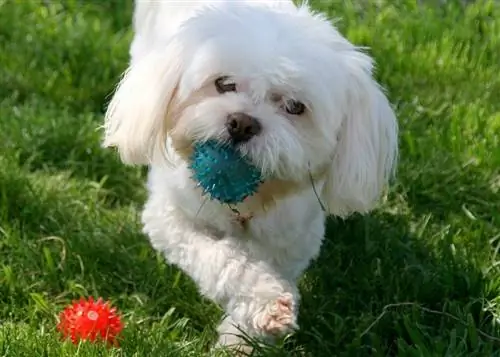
x=294, y=107
x=225, y=84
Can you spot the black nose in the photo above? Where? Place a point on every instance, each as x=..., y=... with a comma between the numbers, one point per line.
x=242, y=127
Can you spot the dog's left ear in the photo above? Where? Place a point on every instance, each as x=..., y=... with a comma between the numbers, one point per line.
x=367, y=146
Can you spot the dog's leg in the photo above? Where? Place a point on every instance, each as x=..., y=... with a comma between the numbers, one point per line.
x=259, y=300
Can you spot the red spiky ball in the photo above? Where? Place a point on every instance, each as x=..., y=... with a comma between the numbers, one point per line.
x=90, y=320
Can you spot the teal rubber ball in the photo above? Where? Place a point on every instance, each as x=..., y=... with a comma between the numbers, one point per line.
x=223, y=173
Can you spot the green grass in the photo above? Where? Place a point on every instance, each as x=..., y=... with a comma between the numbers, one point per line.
x=418, y=277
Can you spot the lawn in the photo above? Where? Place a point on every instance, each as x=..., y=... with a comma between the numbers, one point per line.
x=419, y=276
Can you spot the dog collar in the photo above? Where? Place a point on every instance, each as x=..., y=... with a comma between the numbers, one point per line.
x=242, y=219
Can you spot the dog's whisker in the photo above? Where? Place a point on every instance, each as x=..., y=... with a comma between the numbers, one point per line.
x=313, y=185
x=201, y=207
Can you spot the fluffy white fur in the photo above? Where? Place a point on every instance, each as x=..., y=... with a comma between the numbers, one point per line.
x=342, y=149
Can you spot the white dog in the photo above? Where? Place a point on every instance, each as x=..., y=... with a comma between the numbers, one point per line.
x=280, y=83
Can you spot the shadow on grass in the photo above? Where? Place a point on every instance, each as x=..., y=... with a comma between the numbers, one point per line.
x=371, y=264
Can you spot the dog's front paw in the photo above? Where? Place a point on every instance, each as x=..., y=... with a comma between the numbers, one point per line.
x=277, y=317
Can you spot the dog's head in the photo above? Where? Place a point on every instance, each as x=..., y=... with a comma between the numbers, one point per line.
x=281, y=84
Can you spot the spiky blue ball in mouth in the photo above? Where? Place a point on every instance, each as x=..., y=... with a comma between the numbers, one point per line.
x=223, y=173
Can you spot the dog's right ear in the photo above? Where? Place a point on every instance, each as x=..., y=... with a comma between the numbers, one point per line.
x=136, y=119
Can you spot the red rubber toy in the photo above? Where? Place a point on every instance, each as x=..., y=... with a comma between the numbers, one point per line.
x=90, y=320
